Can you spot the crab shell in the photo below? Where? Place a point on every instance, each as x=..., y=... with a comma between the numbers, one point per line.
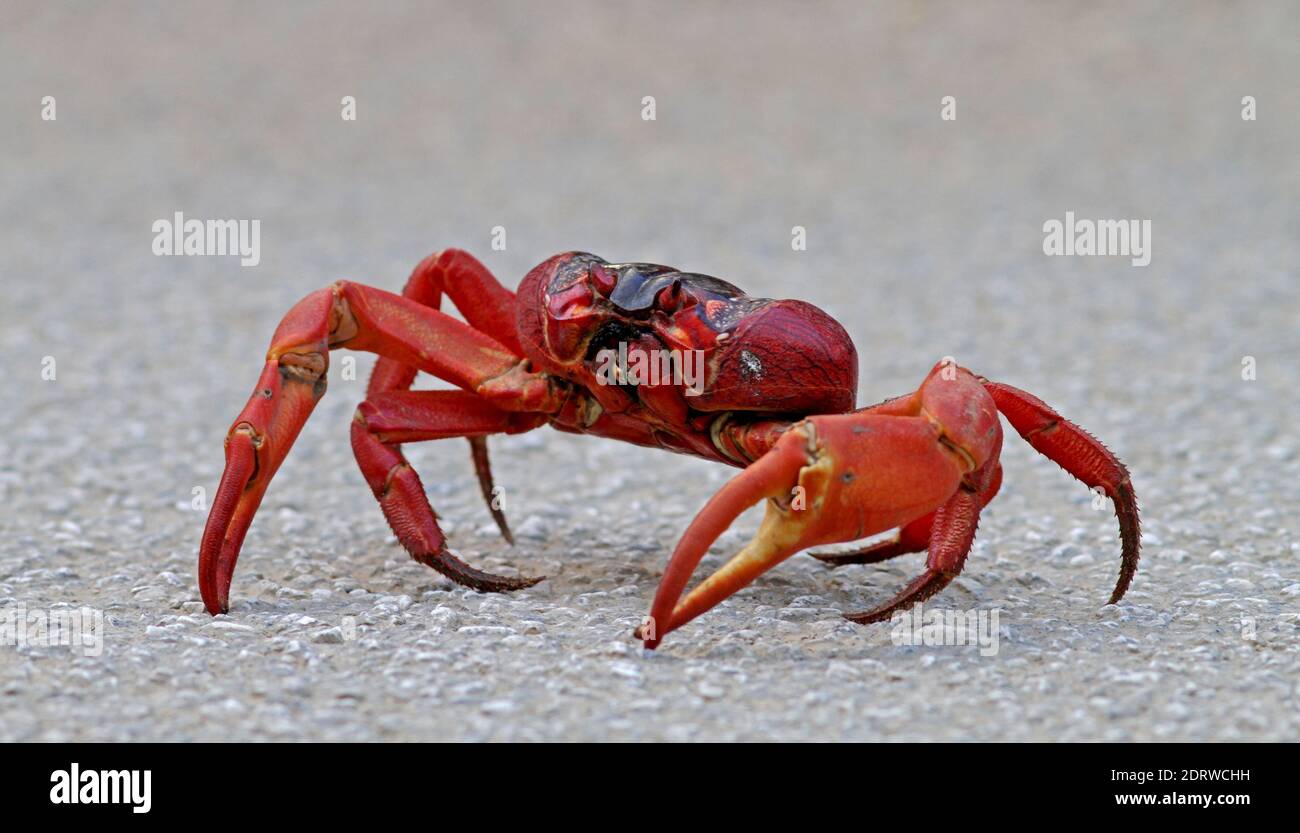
x=773, y=356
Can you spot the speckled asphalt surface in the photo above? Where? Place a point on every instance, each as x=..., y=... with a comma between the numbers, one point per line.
x=924, y=239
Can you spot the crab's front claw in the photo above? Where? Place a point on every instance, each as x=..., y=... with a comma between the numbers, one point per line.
x=773, y=476
x=257, y=443
x=828, y=479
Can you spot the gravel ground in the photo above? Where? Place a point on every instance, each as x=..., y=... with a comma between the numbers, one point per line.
x=924, y=238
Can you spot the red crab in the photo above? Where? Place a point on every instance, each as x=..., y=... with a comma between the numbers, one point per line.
x=775, y=398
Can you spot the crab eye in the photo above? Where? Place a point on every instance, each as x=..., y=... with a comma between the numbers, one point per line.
x=671, y=297
x=604, y=279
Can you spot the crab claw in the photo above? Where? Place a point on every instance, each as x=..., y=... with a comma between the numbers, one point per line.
x=828, y=479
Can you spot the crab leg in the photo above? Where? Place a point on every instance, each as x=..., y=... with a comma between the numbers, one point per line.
x=488, y=307
x=293, y=379
x=385, y=421
x=1083, y=456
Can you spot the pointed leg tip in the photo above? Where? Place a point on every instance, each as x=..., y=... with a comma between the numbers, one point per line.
x=648, y=642
x=445, y=561
x=504, y=584
x=216, y=600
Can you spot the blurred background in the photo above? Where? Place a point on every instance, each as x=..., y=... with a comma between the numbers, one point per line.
x=924, y=237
